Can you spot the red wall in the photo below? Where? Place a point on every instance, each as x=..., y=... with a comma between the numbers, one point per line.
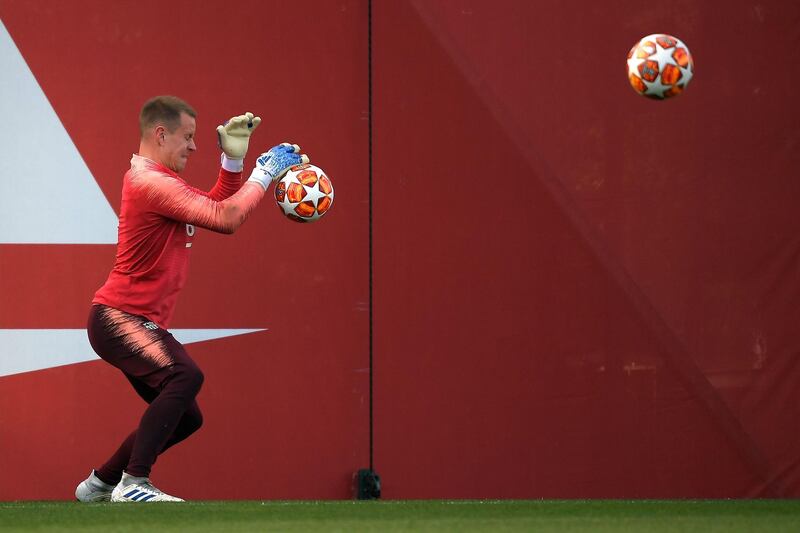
x=581, y=292
x=578, y=292
x=286, y=410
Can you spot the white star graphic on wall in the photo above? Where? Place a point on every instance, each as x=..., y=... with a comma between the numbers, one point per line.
x=52, y=199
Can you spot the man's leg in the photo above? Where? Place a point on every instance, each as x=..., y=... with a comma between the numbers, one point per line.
x=164, y=414
x=111, y=471
x=110, y=474
x=162, y=373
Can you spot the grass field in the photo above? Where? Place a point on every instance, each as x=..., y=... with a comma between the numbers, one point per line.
x=562, y=516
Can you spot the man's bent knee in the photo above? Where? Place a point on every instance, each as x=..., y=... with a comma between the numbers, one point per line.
x=188, y=379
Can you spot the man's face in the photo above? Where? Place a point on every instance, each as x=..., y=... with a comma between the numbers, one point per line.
x=178, y=145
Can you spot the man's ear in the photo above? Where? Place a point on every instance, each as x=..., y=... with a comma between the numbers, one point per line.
x=159, y=134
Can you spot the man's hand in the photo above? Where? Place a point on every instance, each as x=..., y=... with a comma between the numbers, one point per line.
x=234, y=135
x=275, y=162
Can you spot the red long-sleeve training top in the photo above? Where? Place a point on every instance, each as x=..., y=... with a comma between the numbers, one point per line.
x=157, y=221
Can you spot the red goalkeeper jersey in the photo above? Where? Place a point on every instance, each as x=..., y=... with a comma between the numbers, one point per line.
x=157, y=221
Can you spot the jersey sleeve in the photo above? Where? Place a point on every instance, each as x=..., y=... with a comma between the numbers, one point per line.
x=227, y=184
x=222, y=209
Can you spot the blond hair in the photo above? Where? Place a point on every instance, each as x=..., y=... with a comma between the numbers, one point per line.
x=164, y=110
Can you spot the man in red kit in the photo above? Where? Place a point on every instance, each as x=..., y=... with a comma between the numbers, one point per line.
x=131, y=312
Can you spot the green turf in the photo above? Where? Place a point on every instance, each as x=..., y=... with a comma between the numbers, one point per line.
x=567, y=516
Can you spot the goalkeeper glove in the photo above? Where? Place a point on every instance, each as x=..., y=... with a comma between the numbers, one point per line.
x=233, y=138
x=275, y=162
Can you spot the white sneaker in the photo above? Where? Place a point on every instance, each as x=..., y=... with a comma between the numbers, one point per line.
x=92, y=489
x=139, y=490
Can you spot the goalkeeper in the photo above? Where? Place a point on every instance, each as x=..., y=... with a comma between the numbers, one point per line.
x=131, y=312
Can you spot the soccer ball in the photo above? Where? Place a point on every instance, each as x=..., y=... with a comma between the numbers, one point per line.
x=660, y=66
x=305, y=193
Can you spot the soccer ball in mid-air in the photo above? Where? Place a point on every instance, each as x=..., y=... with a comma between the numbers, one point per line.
x=660, y=66
x=305, y=193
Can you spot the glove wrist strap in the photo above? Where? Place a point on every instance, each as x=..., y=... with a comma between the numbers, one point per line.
x=231, y=165
x=260, y=183
x=260, y=177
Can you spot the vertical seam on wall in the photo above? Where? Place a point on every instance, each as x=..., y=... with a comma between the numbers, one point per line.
x=369, y=127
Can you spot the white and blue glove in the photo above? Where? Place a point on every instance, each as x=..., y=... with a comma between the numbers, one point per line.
x=275, y=162
x=233, y=138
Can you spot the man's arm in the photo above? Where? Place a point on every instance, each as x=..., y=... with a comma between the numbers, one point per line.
x=228, y=182
x=233, y=138
x=175, y=199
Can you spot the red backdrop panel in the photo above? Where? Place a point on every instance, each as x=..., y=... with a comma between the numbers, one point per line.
x=578, y=292
x=595, y=294
x=286, y=410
